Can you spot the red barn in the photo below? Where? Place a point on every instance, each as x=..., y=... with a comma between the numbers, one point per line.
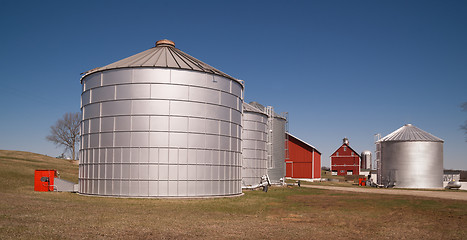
x=345, y=160
x=304, y=160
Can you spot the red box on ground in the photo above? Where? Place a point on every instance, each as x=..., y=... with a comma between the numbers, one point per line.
x=44, y=180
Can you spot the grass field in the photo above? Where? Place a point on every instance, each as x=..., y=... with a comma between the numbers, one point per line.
x=281, y=213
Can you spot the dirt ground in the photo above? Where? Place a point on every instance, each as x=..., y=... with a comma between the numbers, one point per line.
x=461, y=195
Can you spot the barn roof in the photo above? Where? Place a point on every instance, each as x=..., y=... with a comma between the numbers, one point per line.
x=290, y=135
x=349, y=148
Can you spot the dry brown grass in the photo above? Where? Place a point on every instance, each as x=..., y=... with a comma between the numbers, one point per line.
x=282, y=213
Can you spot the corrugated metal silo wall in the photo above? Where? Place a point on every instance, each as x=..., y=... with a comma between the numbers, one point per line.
x=254, y=147
x=155, y=132
x=277, y=170
x=365, y=161
x=412, y=164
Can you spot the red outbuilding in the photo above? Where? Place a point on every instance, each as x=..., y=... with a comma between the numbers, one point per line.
x=44, y=180
x=345, y=160
x=304, y=161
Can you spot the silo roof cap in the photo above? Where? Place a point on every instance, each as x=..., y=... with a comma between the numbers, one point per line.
x=163, y=55
x=165, y=42
x=408, y=133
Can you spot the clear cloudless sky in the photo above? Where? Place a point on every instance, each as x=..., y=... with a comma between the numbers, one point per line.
x=339, y=68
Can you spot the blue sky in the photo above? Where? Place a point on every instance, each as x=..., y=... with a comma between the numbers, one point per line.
x=340, y=68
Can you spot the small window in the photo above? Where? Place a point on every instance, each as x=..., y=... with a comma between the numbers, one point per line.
x=342, y=171
x=345, y=148
x=337, y=154
x=352, y=154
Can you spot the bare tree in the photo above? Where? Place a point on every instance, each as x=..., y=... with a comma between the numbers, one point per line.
x=65, y=132
x=464, y=126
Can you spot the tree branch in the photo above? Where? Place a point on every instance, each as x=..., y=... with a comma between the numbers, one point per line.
x=65, y=132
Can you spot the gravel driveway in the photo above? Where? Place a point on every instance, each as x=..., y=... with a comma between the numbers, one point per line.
x=461, y=195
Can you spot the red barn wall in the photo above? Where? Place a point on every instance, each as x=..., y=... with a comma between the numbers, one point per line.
x=343, y=161
x=288, y=169
x=301, y=163
x=317, y=163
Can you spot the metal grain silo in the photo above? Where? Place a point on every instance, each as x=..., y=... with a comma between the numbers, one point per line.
x=254, y=151
x=160, y=124
x=276, y=140
x=365, y=162
x=411, y=158
x=276, y=171
x=276, y=131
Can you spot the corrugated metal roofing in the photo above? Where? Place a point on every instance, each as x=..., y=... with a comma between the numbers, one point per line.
x=262, y=108
x=163, y=55
x=258, y=106
x=250, y=108
x=409, y=132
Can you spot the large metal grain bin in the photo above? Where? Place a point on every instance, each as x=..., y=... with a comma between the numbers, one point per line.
x=160, y=124
x=411, y=158
x=254, y=152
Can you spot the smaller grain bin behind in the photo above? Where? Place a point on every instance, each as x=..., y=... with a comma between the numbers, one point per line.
x=277, y=128
x=411, y=158
x=254, y=148
x=276, y=141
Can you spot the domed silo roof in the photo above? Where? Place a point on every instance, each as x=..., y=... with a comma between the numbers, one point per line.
x=163, y=55
x=410, y=133
x=253, y=108
x=263, y=109
x=258, y=106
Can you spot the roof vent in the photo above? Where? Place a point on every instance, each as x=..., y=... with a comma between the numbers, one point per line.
x=165, y=42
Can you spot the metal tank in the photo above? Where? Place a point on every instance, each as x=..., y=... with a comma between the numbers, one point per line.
x=276, y=137
x=254, y=151
x=365, y=160
x=160, y=124
x=276, y=141
x=411, y=158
